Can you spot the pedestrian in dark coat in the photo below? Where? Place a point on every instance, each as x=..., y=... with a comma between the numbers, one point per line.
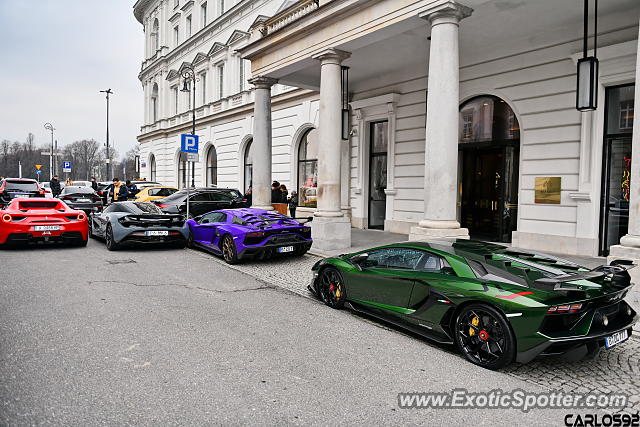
x=248, y=197
x=276, y=194
x=94, y=184
x=293, y=204
x=132, y=189
x=118, y=191
x=55, y=186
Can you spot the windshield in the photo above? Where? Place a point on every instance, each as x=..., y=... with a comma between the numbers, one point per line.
x=144, y=208
x=176, y=196
x=77, y=190
x=21, y=185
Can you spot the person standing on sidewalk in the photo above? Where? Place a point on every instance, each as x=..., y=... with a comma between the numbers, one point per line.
x=293, y=203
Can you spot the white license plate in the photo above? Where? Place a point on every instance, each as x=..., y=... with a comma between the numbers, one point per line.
x=156, y=233
x=285, y=249
x=83, y=200
x=616, y=338
x=15, y=195
x=46, y=227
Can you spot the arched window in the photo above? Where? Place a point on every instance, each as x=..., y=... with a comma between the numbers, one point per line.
x=248, y=165
x=155, y=37
x=182, y=170
x=152, y=167
x=487, y=118
x=308, y=169
x=154, y=103
x=212, y=167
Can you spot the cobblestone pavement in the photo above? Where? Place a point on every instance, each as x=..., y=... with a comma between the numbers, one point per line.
x=616, y=370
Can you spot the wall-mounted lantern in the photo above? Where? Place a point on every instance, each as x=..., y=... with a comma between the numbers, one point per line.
x=344, y=88
x=587, y=88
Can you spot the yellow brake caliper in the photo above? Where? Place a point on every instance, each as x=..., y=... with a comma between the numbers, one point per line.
x=475, y=322
x=338, y=293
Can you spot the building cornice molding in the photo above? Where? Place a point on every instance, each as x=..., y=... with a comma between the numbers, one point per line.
x=236, y=36
x=187, y=6
x=216, y=49
x=204, y=35
x=174, y=17
x=278, y=101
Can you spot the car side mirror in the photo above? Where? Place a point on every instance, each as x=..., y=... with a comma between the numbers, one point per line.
x=359, y=260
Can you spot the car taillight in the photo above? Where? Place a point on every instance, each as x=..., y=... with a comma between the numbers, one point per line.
x=42, y=192
x=66, y=198
x=161, y=205
x=256, y=234
x=566, y=308
x=6, y=218
x=81, y=217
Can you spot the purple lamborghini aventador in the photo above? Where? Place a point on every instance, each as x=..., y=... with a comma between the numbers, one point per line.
x=249, y=233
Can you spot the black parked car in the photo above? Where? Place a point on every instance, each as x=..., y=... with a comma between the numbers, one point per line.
x=81, y=198
x=103, y=191
x=201, y=201
x=19, y=187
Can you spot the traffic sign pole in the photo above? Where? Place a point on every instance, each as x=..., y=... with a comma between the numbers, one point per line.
x=189, y=145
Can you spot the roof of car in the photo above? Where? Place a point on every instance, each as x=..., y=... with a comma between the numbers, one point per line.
x=485, y=252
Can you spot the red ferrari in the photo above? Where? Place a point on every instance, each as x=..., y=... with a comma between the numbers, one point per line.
x=27, y=219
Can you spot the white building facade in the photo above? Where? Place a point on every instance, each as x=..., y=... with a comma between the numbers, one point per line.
x=462, y=118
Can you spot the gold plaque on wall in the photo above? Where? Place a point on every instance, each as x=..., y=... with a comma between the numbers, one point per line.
x=548, y=190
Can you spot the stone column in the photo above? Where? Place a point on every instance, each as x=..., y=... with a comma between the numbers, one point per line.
x=629, y=247
x=261, y=145
x=441, y=150
x=331, y=229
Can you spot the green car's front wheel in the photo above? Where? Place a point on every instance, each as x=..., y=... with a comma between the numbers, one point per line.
x=331, y=288
x=484, y=337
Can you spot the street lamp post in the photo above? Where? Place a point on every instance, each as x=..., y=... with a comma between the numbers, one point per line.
x=189, y=76
x=48, y=126
x=108, y=161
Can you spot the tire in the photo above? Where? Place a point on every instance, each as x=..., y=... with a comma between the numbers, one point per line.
x=189, y=243
x=331, y=288
x=484, y=336
x=91, y=235
x=229, y=252
x=108, y=239
x=180, y=245
x=299, y=252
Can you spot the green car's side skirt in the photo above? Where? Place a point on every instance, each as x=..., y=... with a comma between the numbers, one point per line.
x=392, y=308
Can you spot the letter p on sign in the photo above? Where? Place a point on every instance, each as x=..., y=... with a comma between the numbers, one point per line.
x=189, y=143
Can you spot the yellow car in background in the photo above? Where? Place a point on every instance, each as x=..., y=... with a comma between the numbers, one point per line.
x=152, y=193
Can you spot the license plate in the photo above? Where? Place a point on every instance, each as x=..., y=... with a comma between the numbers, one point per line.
x=156, y=233
x=616, y=338
x=46, y=227
x=15, y=195
x=285, y=249
x=83, y=200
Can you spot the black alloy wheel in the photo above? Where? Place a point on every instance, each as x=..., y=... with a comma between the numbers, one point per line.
x=484, y=336
x=229, y=250
x=108, y=238
x=331, y=288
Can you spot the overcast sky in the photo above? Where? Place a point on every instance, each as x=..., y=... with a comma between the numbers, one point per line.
x=55, y=57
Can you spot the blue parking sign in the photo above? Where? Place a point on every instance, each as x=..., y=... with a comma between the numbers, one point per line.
x=188, y=143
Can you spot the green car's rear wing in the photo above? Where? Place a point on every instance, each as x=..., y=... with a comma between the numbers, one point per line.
x=617, y=272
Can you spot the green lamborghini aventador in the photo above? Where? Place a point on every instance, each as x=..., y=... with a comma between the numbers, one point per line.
x=497, y=304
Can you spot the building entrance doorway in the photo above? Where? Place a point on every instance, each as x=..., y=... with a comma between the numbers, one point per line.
x=489, y=158
x=379, y=137
x=616, y=168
